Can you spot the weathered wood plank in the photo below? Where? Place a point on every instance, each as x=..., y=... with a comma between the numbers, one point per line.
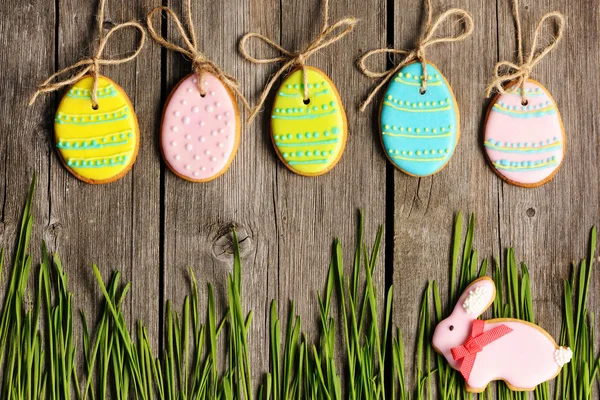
x=425, y=208
x=199, y=216
x=114, y=225
x=548, y=226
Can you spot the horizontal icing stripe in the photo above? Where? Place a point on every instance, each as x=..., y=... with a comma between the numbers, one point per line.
x=307, y=116
x=99, y=165
x=316, y=94
x=95, y=118
x=417, y=135
x=330, y=141
x=107, y=157
x=526, y=168
x=389, y=104
x=525, y=114
x=319, y=161
x=405, y=82
x=95, y=142
x=92, y=146
x=528, y=92
x=524, y=150
x=104, y=92
x=419, y=159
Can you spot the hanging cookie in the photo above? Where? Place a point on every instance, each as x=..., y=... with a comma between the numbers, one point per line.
x=308, y=122
x=515, y=351
x=419, y=118
x=200, y=131
x=524, y=136
x=96, y=129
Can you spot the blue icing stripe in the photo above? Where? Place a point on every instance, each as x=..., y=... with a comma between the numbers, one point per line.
x=419, y=153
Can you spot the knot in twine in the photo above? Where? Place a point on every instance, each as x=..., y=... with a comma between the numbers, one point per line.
x=92, y=65
x=329, y=34
x=200, y=63
x=506, y=72
x=419, y=52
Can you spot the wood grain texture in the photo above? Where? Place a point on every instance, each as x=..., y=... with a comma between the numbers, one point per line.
x=154, y=226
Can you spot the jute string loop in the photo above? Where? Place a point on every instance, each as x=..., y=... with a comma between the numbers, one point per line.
x=92, y=65
x=200, y=63
x=329, y=34
x=419, y=52
x=506, y=72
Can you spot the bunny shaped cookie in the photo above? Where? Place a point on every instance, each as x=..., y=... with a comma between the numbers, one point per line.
x=518, y=352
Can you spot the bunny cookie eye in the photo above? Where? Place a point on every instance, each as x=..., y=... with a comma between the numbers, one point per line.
x=451, y=327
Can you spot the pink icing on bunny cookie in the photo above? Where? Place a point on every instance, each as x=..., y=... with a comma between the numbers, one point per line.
x=515, y=351
x=200, y=134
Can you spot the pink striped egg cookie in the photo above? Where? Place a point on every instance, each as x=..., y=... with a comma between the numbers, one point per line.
x=200, y=134
x=525, y=143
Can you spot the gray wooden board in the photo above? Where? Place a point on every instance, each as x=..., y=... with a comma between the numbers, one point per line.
x=153, y=226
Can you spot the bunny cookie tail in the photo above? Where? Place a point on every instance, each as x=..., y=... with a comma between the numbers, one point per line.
x=563, y=355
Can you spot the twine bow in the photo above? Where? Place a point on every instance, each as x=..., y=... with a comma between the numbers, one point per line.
x=419, y=52
x=329, y=34
x=200, y=63
x=92, y=65
x=506, y=72
x=478, y=339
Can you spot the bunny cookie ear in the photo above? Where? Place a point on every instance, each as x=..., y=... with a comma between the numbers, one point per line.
x=478, y=296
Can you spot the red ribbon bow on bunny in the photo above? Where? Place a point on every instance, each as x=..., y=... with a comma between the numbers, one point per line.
x=475, y=343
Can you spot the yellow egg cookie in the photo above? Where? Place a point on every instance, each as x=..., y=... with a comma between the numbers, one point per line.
x=97, y=145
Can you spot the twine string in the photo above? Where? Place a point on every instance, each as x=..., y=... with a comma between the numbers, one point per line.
x=506, y=72
x=428, y=39
x=328, y=35
x=200, y=63
x=92, y=65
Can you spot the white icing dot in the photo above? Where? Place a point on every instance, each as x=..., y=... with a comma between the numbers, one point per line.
x=205, y=83
x=183, y=102
x=220, y=144
x=177, y=113
x=214, y=133
x=227, y=113
x=188, y=147
x=188, y=166
x=195, y=80
x=188, y=136
x=195, y=109
x=212, y=93
x=209, y=108
x=196, y=173
x=207, y=152
x=219, y=117
x=189, y=90
x=213, y=159
x=174, y=129
x=227, y=123
x=225, y=155
x=217, y=104
x=174, y=143
x=196, y=157
x=186, y=120
x=176, y=156
x=203, y=168
x=221, y=130
x=201, y=123
x=201, y=138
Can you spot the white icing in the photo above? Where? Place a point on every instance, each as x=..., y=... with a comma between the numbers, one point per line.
x=563, y=355
x=476, y=300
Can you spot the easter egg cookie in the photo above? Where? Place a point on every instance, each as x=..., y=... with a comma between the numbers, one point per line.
x=200, y=134
x=419, y=131
x=525, y=143
x=97, y=145
x=309, y=136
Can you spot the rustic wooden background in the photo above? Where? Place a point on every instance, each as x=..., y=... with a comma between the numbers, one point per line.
x=153, y=226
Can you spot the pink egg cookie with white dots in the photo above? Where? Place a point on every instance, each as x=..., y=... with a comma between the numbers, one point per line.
x=200, y=134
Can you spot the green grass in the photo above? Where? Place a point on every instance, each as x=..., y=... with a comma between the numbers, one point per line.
x=359, y=354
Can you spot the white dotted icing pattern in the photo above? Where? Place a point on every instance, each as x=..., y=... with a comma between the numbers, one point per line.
x=199, y=134
x=563, y=355
x=476, y=300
